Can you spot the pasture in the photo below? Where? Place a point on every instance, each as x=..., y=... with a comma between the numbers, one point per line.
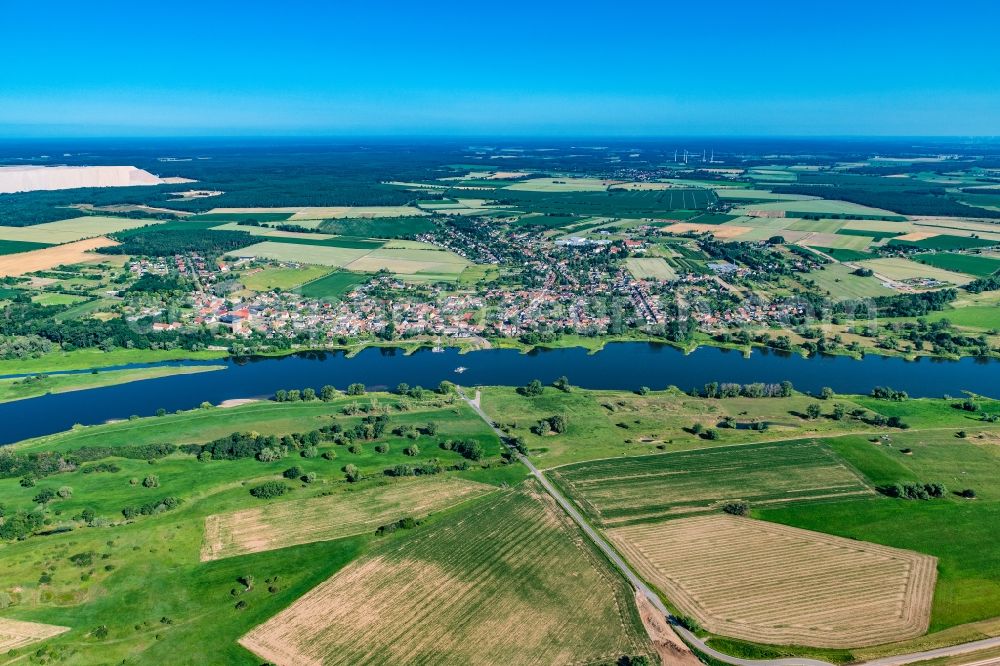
x=839, y=282
x=616, y=491
x=945, y=242
x=841, y=254
x=970, y=264
x=421, y=263
x=605, y=424
x=283, y=524
x=299, y=253
x=770, y=583
x=282, y=278
x=332, y=286
x=429, y=263
x=52, y=298
x=67, y=231
x=396, y=227
x=420, y=599
x=840, y=241
x=15, y=246
x=985, y=317
x=896, y=268
x=881, y=226
x=814, y=206
x=653, y=268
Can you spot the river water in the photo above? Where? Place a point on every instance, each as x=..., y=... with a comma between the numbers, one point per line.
x=618, y=366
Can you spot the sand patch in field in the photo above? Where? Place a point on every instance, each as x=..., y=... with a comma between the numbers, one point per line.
x=718, y=230
x=17, y=634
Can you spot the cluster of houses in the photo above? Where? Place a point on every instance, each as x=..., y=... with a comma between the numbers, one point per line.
x=565, y=295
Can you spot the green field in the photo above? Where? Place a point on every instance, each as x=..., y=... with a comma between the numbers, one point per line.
x=82, y=359
x=398, y=227
x=944, y=242
x=302, y=253
x=19, y=389
x=605, y=424
x=140, y=581
x=15, y=246
x=546, y=221
x=969, y=264
x=333, y=285
x=282, y=278
x=184, y=224
x=842, y=254
x=654, y=268
x=877, y=235
x=423, y=263
x=620, y=492
x=839, y=282
x=898, y=268
x=65, y=231
x=240, y=217
x=54, y=298
x=986, y=317
x=349, y=243
x=815, y=207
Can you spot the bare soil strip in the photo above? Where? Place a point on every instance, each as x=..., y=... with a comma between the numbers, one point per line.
x=16, y=634
x=669, y=646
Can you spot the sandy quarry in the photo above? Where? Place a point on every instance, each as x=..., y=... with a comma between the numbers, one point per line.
x=30, y=178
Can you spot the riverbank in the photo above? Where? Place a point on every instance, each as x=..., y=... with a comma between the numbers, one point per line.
x=88, y=359
x=39, y=385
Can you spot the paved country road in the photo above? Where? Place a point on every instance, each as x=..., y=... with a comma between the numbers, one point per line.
x=691, y=639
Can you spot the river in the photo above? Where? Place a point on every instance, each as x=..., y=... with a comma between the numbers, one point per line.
x=618, y=366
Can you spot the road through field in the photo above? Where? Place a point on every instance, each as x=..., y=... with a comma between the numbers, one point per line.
x=688, y=636
x=622, y=566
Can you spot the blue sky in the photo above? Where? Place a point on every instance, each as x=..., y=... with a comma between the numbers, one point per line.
x=880, y=67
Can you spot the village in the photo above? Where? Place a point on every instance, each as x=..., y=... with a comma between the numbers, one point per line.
x=577, y=287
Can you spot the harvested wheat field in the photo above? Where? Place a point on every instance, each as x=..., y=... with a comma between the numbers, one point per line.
x=770, y=583
x=49, y=257
x=16, y=634
x=478, y=587
x=719, y=231
x=284, y=524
